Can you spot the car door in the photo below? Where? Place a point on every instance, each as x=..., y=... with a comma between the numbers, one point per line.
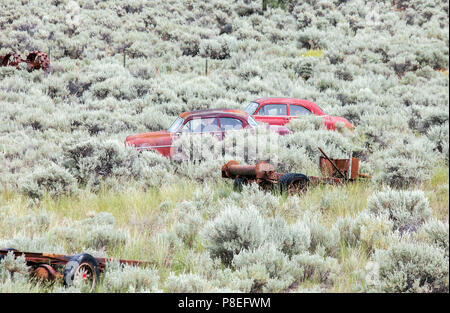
x=204, y=125
x=196, y=127
x=297, y=110
x=230, y=124
x=272, y=114
x=210, y=125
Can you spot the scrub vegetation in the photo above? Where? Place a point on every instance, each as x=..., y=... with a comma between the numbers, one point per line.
x=69, y=185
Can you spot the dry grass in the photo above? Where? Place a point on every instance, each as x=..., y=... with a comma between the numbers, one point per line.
x=146, y=214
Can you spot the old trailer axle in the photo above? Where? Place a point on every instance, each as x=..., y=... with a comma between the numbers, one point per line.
x=69, y=268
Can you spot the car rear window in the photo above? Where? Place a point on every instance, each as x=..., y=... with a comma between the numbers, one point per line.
x=299, y=110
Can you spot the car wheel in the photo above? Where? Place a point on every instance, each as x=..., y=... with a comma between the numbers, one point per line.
x=82, y=267
x=293, y=183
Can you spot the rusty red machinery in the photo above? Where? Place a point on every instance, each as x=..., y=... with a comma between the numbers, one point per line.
x=35, y=60
x=10, y=59
x=69, y=268
x=335, y=171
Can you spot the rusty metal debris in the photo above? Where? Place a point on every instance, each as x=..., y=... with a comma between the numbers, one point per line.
x=335, y=171
x=35, y=60
x=69, y=268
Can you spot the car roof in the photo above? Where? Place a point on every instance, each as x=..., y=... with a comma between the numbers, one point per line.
x=214, y=112
x=283, y=100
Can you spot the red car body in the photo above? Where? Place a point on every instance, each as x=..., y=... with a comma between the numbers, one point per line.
x=214, y=122
x=280, y=111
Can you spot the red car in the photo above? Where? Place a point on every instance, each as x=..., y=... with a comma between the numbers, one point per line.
x=214, y=121
x=279, y=111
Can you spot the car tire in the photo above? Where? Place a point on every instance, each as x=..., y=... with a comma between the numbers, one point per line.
x=292, y=183
x=238, y=184
x=85, y=265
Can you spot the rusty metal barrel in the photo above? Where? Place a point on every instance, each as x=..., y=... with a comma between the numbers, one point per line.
x=342, y=164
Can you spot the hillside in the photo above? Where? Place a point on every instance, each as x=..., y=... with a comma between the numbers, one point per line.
x=69, y=185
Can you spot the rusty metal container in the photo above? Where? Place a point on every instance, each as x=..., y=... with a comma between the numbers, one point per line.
x=342, y=164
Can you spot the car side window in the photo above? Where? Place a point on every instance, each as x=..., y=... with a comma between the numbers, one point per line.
x=198, y=125
x=187, y=128
x=298, y=110
x=209, y=125
x=230, y=123
x=273, y=110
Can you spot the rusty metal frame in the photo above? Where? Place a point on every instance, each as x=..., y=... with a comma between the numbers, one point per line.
x=46, y=265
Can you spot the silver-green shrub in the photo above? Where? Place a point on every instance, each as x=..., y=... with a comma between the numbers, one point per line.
x=218, y=48
x=124, y=278
x=102, y=236
x=439, y=136
x=333, y=143
x=408, y=209
x=186, y=283
x=315, y=267
x=435, y=232
x=290, y=239
x=53, y=180
x=11, y=266
x=93, y=162
x=34, y=243
x=268, y=268
x=306, y=122
x=188, y=225
x=33, y=223
x=406, y=162
x=265, y=202
x=233, y=230
x=323, y=240
x=98, y=232
x=14, y=275
x=412, y=267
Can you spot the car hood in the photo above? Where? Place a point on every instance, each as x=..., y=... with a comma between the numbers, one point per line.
x=149, y=139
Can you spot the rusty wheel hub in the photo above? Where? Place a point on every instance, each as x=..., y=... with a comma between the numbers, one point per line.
x=85, y=274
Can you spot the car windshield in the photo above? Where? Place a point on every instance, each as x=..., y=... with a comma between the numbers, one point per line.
x=175, y=125
x=252, y=121
x=251, y=108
